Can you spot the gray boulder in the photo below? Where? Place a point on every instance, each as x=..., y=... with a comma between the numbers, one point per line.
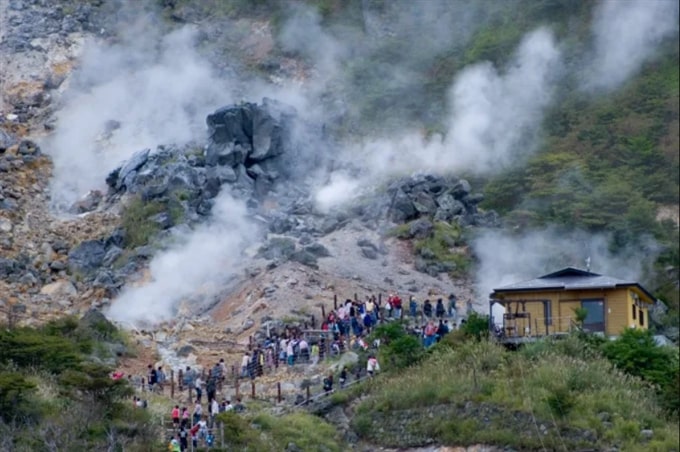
x=87, y=257
x=317, y=250
x=6, y=140
x=225, y=154
x=277, y=248
x=421, y=228
x=305, y=258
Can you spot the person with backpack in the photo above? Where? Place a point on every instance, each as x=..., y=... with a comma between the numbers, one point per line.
x=413, y=307
x=183, y=439
x=427, y=308
x=328, y=384
x=211, y=389
x=152, y=377
x=343, y=377
x=440, y=310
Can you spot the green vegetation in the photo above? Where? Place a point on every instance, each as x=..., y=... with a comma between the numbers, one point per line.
x=261, y=431
x=555, y=395
x=55, y=396
x=137, y=218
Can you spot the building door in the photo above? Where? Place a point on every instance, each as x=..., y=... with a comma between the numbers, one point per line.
x=594, y=321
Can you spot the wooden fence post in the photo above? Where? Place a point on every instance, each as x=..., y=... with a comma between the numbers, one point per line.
x=252, y=388
x=180, y=380
x=172, y=383
x=335, y=301
x=323, y=313
x=278, y=391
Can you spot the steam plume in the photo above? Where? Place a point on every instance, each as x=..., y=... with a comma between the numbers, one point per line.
x=627, y=34
x=505, y=258
x=206, y=257
x=152, y=95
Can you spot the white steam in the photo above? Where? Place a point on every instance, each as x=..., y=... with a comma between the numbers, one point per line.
x=494, y=119
x=495, y=116
x=506, y=258
x=626, y=35
x=155, y=93
x=206, y=257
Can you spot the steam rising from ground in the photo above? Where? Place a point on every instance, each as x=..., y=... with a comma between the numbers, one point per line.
x=161, y=94
x=494, y=118
x=204, y=258
x=627, y=34
x=155, y=93
x=506, y=258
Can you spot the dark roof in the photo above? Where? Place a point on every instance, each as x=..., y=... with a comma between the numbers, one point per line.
x=571, y=278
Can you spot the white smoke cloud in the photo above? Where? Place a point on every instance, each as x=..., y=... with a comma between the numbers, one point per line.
x=506, y=257
x=627, y=34
x=494, y=120
x=303, y=34
x=157, y=88
x=206, y=257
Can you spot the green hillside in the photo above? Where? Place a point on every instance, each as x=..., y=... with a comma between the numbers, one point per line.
x=606, y=162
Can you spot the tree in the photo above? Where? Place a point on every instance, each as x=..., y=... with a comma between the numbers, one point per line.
x=636, y=353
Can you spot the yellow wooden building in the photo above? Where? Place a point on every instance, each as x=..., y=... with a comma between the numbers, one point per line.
x=545, y=305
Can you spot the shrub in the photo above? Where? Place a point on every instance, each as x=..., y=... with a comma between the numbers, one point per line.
x=139, y=229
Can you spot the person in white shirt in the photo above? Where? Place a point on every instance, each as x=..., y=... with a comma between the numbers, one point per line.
x=214, y=410
x=198, y=385
x=372, y=366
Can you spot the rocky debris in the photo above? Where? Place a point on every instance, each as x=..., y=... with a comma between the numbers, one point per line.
x=442, y=198
x=6, y=140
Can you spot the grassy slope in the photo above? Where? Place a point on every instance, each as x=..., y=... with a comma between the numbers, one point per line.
x=547, y=396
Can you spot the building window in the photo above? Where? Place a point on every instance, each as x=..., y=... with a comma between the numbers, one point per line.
x=642, y=318
x=634, y=311
x=548, y=313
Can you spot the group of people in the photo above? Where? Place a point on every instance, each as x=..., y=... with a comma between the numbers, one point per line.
x=198, y=427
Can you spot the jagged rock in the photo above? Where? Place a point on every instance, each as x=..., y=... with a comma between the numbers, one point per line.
x=277, y=248
x=88, y=203
x=86, y=257
x=247, y=324
x=403, y=209
x=369, y=253
x=461, y=189
x=162, y=219
x=225, y=154
x=57, y=266
x=27, y=147
x=6, y=141
x=122, y=176
x=62, y=288
x=449, y=204
x=317, y=250
x=185, y=350
x=305, y=258
x=112, y=254
x=421, y=228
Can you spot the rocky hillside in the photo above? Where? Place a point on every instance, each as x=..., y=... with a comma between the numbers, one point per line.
x=202, y=172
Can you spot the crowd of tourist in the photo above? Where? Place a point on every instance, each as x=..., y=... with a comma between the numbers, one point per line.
x=345, y=328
